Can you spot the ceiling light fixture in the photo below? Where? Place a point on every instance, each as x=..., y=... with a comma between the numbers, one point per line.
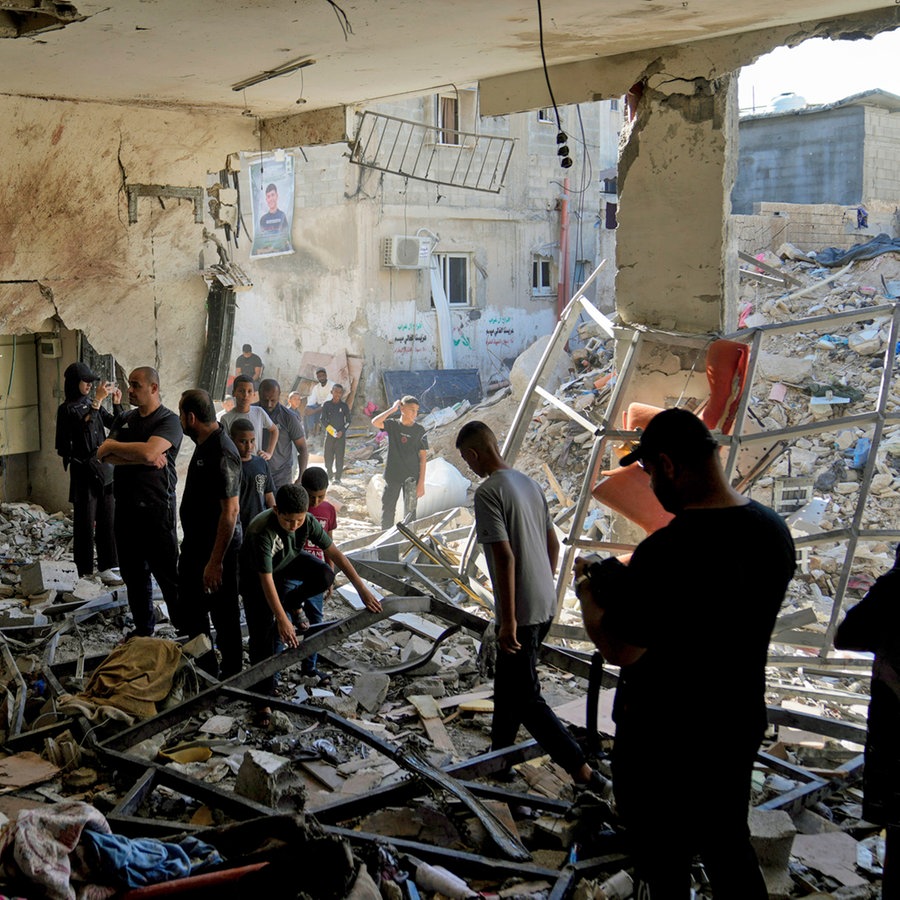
x=269, y=74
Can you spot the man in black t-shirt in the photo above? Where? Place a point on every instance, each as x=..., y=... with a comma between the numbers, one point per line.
x=208, y=566
x=405, y=467
x=724, y=560
x=142, y=445
x=248, y=364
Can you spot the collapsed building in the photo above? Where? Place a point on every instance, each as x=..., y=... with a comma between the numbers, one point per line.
x=114, y=259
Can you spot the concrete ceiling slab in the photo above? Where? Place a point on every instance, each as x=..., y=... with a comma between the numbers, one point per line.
x=189, y=53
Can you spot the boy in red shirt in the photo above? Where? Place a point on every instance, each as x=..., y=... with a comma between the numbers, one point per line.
x=315, y=480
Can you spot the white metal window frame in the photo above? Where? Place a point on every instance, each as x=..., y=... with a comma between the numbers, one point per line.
x=542, y=275
x=457, y=295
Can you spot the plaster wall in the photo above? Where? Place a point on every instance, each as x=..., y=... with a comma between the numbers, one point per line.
x=674, y=182
x=801, y=158
x=70, y=259
x=334, y=293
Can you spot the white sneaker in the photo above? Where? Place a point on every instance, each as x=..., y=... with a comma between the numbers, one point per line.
x=110, y=577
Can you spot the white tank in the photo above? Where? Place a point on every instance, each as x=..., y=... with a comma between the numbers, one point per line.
x=445, y=487
x=788, y=101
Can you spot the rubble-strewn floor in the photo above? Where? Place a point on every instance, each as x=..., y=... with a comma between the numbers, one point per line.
x=356, y=739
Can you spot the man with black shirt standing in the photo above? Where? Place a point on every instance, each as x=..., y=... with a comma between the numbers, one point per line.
x=142, y=446
x=291, y=436
x=405, y=467
x=208, y=567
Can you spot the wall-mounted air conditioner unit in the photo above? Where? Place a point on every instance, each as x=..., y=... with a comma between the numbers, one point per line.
x=404, y=251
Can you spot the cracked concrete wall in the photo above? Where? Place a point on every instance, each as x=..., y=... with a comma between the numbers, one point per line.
x=68, y=253
x=675, y=176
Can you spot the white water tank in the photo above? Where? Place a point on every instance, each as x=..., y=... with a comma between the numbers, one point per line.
x=445, y=487
x=787, y=102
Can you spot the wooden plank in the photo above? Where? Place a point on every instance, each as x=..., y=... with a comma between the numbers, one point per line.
x=324, y=773
x=438, y=734
x=556, y=487
x=425, y=705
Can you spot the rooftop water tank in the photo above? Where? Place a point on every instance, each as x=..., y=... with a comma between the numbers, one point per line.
x=787, y=102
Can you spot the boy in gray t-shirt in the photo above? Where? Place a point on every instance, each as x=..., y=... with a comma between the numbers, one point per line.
x=513, y=525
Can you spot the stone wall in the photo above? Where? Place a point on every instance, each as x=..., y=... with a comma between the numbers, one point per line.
x=812, y=227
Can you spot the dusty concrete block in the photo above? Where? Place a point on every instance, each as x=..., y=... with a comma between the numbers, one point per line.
x=342, y=705
x=435, y=687
x=790, y=369
x=266, y=778
x=370, y=690
x=88, y=590
x=416, y=647
x=772, y=834
x=45, y=575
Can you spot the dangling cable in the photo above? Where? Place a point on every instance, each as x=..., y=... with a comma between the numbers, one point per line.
x=561, y=137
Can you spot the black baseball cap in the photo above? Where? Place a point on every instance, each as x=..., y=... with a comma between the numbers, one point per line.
x=81, y=372
x=676, y=432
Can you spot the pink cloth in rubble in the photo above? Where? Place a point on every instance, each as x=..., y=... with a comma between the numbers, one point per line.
x=40, y=847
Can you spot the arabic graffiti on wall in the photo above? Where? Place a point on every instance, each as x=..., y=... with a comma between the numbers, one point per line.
x=500, y=331
x=410, y=338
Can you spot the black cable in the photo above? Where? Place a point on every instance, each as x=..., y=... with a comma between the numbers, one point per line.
x=561, y=137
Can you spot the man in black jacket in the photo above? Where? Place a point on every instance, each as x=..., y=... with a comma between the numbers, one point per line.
x=80, y=429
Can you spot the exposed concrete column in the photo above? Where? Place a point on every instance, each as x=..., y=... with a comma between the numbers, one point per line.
x=676, y=268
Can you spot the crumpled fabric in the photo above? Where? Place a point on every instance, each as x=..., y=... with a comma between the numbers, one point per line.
x=133, y=677
x=833, y=257
x=39, y=847
x=138, y=862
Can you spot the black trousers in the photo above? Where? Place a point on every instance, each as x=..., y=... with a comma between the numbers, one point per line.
x=664, y=835
x=303, y=578
x=518, y=701
x=391, y=495
x=147, y=545
x=194, y=608
x=92, y=520
x=334, y=455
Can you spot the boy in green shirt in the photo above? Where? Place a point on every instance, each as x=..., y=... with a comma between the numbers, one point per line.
x=277, y=576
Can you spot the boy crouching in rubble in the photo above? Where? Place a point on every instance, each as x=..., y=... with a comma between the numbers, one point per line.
x=277, y=576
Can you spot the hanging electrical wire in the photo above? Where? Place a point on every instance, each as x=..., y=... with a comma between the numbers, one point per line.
x=561, y=137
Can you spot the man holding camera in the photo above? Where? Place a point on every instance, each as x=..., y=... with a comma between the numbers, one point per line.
x=694, y=607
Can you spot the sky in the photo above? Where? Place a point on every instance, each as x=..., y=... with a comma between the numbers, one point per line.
x=823, y=71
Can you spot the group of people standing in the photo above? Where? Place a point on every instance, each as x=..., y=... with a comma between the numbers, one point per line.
x=269, y=566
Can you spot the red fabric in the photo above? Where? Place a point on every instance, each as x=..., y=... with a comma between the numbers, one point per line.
x=327, y=517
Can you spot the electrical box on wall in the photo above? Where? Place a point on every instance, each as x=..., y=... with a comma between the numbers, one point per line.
x=19, y=421
x=403, y=251
x=50, y=347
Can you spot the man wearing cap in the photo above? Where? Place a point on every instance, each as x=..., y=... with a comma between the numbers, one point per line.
x=142, y=447
x=317, y=396
x=80, y=429
x=694, y=607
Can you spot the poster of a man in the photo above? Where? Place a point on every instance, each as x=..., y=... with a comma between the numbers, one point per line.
x=272, y=188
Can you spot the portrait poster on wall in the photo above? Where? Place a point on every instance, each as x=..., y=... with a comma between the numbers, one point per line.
x=272, y=190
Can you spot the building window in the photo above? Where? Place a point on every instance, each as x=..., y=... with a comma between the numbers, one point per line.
x=614, y=105
x=546, y=115
x=541, y=276
x=447, y=119
x=453, y=269
x=608, y=185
